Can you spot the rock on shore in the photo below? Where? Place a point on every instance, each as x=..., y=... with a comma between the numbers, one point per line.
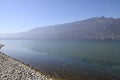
x=11, y=69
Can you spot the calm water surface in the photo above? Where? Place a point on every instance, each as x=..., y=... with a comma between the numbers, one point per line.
x=66, y=58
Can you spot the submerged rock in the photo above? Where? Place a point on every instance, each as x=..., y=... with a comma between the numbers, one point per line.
x=1, y=46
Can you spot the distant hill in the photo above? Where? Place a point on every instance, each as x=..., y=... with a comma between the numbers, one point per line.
x=96, y=28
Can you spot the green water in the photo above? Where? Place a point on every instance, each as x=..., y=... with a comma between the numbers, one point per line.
x=66, y=57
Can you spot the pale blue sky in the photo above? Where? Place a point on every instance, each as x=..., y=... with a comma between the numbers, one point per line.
x=22, y=15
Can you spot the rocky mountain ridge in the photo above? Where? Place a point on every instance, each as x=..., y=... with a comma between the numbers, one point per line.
x=96, y=28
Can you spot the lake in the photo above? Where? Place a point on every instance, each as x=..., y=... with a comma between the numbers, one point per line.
x=73, y=60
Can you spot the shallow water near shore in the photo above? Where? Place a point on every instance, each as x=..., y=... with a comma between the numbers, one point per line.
x=71, y=59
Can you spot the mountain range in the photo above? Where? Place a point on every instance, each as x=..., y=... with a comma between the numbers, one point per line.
x=95, y=28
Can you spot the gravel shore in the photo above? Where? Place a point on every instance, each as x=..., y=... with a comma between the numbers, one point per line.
x=12, y=69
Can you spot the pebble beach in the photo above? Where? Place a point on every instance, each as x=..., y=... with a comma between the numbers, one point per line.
x=12, y=69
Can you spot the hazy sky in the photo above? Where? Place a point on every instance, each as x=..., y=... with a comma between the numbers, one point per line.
x=22, y=15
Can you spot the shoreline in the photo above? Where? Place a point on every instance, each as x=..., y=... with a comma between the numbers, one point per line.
x=12, y=69
x=35, y=73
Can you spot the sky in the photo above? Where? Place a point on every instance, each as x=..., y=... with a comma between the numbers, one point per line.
x=23, y=15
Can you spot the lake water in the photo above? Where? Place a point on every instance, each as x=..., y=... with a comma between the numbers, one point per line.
x=71, y=59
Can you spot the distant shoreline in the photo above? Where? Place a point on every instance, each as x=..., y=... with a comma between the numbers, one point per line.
x=61, y=40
